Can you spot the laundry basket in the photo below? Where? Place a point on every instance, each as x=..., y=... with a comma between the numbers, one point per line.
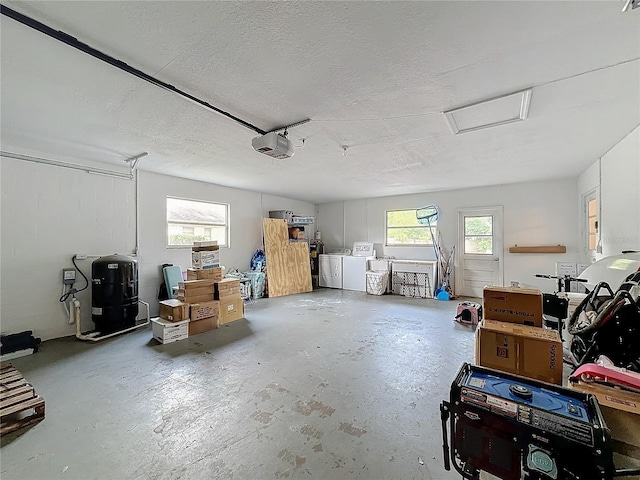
x=377, y=282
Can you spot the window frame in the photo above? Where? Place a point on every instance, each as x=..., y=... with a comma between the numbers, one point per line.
x=226, y=225
x=465, y=236
x=403, y=245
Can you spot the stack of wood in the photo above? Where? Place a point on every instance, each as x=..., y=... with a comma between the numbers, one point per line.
x=20, y=406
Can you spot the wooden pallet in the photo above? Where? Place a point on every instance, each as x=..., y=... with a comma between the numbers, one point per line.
x=20, y=406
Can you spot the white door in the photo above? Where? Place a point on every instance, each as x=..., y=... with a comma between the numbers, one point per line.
x=480, y=250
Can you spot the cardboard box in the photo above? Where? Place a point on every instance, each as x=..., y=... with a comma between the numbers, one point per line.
x=205, y=246
x=297, y=233
x=195, y=291
x=228, y=294
x=204, y=310
x=200, y=260
x=214, y=273
x=205, y=243
x=192, y=292
x=189, y=284
x=231, y=311
x=624, y=426
x=174, y=310
x=620, y=409
x=610, y=396
x=165, y=331
x=208, y=248
x=528, y=351
x=513, y=305
x=195, y=298
x=227, y=289
x=203, y=325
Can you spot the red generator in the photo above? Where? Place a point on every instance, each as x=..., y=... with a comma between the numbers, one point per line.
x=469, y=313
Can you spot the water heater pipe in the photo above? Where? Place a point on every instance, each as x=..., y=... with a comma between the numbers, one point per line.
x=96, y=336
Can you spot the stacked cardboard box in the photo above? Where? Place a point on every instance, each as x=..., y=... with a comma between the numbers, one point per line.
x=203, y=309
x=205, y=255
x=227, y=291
x=513, y=305
x=195, y=291
x=174, y=310
x=166, y=331
x=511, y=337
x=214, y=274
x=204, y=317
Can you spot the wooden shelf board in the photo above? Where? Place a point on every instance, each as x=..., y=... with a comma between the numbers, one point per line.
x=539, y=249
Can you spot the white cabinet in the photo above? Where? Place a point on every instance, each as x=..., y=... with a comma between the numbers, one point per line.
x=330, y=270
x=354, y=273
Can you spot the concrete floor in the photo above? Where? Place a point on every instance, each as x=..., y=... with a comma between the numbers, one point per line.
x=330, y=384
x=326, y=385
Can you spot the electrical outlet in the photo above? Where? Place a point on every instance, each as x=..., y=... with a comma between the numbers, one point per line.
x=80, y=256
x=68, y=276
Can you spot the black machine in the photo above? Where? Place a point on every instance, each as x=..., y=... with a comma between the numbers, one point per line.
x=554, y=307
x=514, y=427
x=114, y=293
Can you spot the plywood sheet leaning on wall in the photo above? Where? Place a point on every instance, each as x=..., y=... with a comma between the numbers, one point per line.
x=288, y=267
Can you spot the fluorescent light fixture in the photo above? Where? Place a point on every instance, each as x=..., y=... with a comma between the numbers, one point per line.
x=513, y=107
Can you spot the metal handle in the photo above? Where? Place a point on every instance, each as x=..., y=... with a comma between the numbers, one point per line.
x=444, y=416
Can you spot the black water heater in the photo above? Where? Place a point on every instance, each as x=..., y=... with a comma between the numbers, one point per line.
x=114, y=293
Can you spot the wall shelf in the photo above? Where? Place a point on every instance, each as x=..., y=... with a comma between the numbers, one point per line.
x=539, y=249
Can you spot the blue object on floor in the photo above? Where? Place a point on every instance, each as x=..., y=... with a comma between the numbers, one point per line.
x=172, y=276
x=443, y=295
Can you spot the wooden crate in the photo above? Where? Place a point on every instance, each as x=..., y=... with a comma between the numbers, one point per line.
x=20, y=406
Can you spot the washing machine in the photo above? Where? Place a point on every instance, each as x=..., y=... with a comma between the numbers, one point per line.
x=330, y=270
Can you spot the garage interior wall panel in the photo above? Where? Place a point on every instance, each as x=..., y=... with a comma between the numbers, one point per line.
x=355, y=222
x=49, y=213
x=331, y=225
x=535, y=213
x=620, y=193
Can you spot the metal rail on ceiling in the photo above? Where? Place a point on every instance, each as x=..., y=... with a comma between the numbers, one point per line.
x=83, y=47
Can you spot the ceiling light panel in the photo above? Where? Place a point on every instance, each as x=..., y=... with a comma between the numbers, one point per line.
x=513, y=107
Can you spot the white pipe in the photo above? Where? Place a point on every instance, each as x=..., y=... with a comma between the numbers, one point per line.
x=94, y=336
x=75, y=166
x=137, y=212
x=64, y=304
x=73, y=310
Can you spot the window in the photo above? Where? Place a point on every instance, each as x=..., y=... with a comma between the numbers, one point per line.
x=478, y=235
x=403, y=229
x=191, y=221
x=591, y=208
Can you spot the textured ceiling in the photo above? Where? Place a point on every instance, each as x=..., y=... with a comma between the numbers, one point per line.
x=372, y=76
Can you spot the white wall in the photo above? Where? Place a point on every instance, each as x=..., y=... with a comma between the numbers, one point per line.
x=534, y=214
x=588, y=183
x=615, y=179
x=620, y=194
x=49, y=213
